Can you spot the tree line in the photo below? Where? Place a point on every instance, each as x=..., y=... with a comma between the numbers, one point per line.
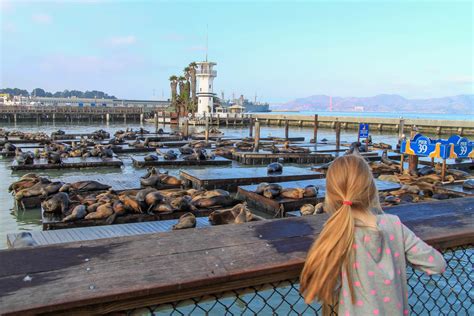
x=38, y=92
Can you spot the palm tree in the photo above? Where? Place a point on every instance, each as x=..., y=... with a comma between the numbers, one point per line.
x=192, y=72
x=174, y=85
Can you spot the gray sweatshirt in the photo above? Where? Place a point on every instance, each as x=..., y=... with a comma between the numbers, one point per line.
x=379, y=268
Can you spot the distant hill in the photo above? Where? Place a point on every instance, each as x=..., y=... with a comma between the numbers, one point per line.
x=458, y=104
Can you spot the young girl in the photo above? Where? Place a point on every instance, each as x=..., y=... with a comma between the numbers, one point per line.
x=358, y=262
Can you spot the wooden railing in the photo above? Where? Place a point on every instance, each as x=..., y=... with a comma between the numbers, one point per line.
x=117, y=274
x=69, y=110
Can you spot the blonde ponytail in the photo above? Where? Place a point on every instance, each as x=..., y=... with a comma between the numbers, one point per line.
x=349, y=187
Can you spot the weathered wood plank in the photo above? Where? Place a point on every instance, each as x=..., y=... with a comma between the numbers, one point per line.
x=112, y=274
x=273, y=206
x=69, y=163
x=217, y=161
x=231, y=178
x=43, y=238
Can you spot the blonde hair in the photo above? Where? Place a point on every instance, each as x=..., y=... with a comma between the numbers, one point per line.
x=348, y=179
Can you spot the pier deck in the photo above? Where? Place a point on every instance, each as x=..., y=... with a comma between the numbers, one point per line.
x=139, y=162
x=51, y=237
x=230, y=178
x=274, y=206
x=69, y=163
x=116, y=274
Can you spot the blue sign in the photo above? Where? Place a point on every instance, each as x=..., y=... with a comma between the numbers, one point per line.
x=363, y=130
x=454, y=147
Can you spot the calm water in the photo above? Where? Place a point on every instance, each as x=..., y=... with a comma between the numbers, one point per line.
x=13, y=221
x=435, y=116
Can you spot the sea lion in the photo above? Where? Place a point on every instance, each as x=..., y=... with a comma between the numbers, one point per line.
x=238, y=214
x=186, y=150
x=307, y=209
x=79, y=212
x=163, y=208
x=57, y=203
x=141, y=197
x=458, y=174
x=183, y=204
x=468, y=184
x=355, y=149
x=272, y=190
x=170, y=180
x=292, y=193
x=385, y=159
x=93, y=207
x=24, y=239
x=413, y=189
x=319, y=208
x=54, y=158
x=170, y=155
x=106, y=153
x=51, y=188
x=213, y=201
x=152, y=199
x=84, y=186
x=131, y=204
x=392, y=199
x=261, y=187
x=389, y=177
x=150, y=157
x=310, y=191
x=187, y=220
x=426, y=170
x=103, y=211
x=274, y=167
x=33, y=190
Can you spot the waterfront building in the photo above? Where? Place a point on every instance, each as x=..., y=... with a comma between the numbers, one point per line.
x=205, y=77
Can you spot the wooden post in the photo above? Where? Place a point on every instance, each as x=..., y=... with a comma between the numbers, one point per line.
x=287, y=126
x=206, y=132
x=315, y=132
x=367, y=140
x=400, y=128
x=164, y=119
x=412, y=159
x=257, y=136
x=186, y=128
x=402, y=160
x=443, y=171
x=338, y=135
x=156, y=122
x=251, y=127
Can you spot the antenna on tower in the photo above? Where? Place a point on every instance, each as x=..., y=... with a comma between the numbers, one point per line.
x=207, y=39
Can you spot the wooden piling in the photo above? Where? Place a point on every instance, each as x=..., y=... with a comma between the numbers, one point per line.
x=156, y=122
x=443, y=170
x=413, y=159
x=315, y=132
x=287, y=127
x=257, y=136
x=186, y=128
x=338, y=135
x=400, y=128
x=251, y=127
x=164, y=118
x=206, y=132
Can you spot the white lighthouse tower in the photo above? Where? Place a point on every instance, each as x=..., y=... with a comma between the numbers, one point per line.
x=205, y=76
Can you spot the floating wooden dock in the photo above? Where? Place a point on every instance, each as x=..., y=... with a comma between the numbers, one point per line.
x=278, y=204
x=52, y=237
x=69, y=163
x=53, y=222
x=127, y=149
x=230, y=178
x=458, y=188
x=262, y=157
x=116, y=274
x=161, y=138
x=217, y=161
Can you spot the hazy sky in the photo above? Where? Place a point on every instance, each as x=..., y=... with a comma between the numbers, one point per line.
x=279, y=50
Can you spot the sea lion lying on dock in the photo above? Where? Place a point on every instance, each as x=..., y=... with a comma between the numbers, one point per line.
x=24, y=158
x=274, y=167
x=237, y=215
x=24, y=239
x=310, y=191
x=26, y=181
x=84, y=186
x=212, y=198
x=150, y=157
x=35, y=190
x=79, y=212
x=187, y=220
x=56, y=204
x=468, y=184
x=292, y=193
x=102, y=212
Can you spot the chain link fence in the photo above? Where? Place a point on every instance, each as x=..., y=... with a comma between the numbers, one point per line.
x=446, y=294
